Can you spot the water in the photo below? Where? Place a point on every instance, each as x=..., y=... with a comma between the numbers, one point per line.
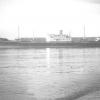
x=50, y=74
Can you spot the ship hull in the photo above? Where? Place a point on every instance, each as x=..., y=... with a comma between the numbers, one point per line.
x=12, y=44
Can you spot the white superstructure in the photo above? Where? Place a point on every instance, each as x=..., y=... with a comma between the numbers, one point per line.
x=60, y=37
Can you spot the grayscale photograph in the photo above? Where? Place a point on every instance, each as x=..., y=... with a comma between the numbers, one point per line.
x=49, y=49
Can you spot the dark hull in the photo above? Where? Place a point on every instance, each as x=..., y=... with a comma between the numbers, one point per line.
x=11, y=44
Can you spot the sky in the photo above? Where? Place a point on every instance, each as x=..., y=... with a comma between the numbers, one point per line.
x=43, y=17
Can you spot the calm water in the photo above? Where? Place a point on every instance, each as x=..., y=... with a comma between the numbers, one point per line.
x=50, y=74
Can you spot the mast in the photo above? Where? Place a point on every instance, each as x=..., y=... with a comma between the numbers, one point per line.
x=33, y=35
x=84, y=33
x=18, y=32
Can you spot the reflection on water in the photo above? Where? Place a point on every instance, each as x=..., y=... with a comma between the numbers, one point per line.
x=49, y=74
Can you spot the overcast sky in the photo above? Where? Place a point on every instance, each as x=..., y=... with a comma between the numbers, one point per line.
x=43, y=17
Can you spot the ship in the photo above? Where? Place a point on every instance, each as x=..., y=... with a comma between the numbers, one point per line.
x=55, y=41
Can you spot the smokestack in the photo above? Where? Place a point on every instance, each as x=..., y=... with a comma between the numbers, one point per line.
x=61, y=31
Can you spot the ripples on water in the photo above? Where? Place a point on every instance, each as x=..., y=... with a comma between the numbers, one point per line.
x=49, y=74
